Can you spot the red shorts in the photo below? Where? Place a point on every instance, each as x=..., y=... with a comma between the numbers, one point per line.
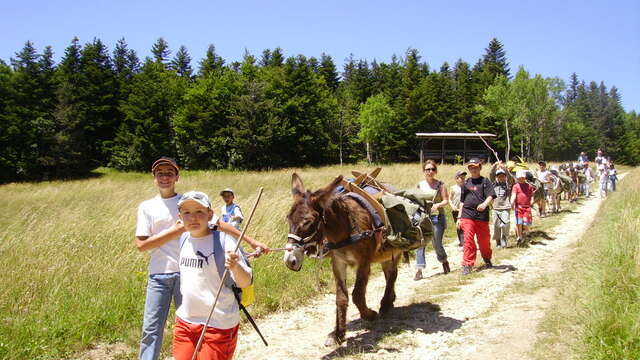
x=523, y=216
x=218, y=344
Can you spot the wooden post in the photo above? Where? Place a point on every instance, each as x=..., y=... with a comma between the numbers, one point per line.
x=421, y=154
x=464, y=151
x=442, y=161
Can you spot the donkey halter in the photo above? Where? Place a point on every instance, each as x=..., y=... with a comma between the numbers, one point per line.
x=308, y=241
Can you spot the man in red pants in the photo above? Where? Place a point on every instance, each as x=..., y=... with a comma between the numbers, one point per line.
x=475, y=198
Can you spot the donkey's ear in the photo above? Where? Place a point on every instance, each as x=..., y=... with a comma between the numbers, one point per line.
x=297, y=188
x=325, y=193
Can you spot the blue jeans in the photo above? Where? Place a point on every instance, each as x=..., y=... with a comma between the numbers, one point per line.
x=439, y=224
x=160, y=289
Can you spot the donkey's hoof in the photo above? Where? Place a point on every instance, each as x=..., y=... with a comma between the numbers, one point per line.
x=333, y=340
x=369, y=315
x=385, y=307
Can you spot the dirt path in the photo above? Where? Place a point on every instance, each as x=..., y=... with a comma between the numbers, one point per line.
x=483, y=316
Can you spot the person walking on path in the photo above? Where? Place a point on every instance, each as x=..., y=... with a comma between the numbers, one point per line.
x=589, y=177
x=501, y=209
x=522, y=201
x=230, y=211
x=603, y=178
x=454, y=201
x=582, y=158
x=477, y=194
x=543, y=177
x=158, y=229
x=600, y=158
x=613, y=176
x=438, y=194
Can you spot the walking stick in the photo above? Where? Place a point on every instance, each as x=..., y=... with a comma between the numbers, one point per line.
x=224, y=277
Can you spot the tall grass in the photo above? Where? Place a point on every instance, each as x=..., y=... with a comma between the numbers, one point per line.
x=72, y=276
x=596, y=314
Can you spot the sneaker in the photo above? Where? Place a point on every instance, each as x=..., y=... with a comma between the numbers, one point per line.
x=418, y=275
x=488, y=264
x=445, y=267
x=466, y=270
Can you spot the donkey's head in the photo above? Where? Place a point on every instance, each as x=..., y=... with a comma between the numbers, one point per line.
x=306, y=221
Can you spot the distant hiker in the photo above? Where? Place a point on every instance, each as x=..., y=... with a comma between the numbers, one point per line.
x=613, y=176
x=603, y=178
x=589, y=177
x=600, y=157
x=158, y=229
x=440, y=197
x=501, y=209
x=582, y=158
x=522, y=201
x=199, y=282
x=543, y=177
x=230, y=212
x=454, y=201
x=475, y=199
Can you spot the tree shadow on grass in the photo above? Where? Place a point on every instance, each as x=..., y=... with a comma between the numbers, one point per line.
x=424, y=317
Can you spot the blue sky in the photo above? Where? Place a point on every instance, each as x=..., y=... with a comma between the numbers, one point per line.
x=599, y=40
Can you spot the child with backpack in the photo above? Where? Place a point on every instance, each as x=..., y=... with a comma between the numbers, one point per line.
x=203, y=253
x=230, y=211
x=522, y=201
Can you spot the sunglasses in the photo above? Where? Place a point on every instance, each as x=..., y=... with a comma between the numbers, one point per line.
x=430, y=169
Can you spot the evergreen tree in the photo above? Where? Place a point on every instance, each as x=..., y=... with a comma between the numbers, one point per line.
x=147, y=131
x=212, y=62
x=181, y=63
x=328, y=72
x=572, y=92
x=9, y=130
x=495, y=59
x=160, y=51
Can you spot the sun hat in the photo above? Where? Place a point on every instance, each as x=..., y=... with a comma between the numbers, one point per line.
x=197, y=196
x=521, y=174
x=474, y=162
x=460, y=173
x=500, y=171
x=229, y=190
x=165, y=160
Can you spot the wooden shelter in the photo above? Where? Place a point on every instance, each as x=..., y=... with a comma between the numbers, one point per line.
x=450, y=147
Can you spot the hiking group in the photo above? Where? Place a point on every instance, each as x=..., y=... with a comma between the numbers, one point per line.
x=190, y=245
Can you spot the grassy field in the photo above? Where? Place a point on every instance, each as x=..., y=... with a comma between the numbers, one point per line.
x=73, y=276
x=596, y=314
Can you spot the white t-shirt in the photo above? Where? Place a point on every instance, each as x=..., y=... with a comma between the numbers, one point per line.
x=226, y=215
x=542, y=176
x=155, y=216
x=199, y=282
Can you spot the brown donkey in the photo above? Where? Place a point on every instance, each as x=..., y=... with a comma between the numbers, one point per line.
x=346, y=227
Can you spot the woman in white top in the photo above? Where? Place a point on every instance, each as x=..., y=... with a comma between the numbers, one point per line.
x=440, y=198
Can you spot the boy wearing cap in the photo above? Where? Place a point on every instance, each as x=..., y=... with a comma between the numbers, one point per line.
x=501, y=209
x=456, y=190
x=522, y=201
x=200, y=280
x=230, y=212
x=158, y=229
x=477, y=194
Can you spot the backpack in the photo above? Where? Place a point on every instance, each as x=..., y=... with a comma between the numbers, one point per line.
x=227, y=217
x=245, y=297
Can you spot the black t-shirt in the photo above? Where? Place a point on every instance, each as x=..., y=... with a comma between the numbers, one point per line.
x=475, y=192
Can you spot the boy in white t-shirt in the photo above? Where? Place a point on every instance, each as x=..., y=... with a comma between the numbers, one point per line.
x=230, y=211
x=158, y=229
x=200, y=276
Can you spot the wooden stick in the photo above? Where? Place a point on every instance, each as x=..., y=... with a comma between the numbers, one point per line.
x=487, y=145
x=224, y=277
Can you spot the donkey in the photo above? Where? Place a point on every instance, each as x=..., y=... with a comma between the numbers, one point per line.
x=323, y=219
x=554, y=192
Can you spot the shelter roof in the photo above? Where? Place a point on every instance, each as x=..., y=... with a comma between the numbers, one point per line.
x=453, y=135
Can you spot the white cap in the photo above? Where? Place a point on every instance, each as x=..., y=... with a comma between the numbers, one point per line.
x=521, y=174
x=197, y=196
x=500, y=171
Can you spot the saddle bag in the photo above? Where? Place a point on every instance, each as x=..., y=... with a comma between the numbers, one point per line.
x=407, y=213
